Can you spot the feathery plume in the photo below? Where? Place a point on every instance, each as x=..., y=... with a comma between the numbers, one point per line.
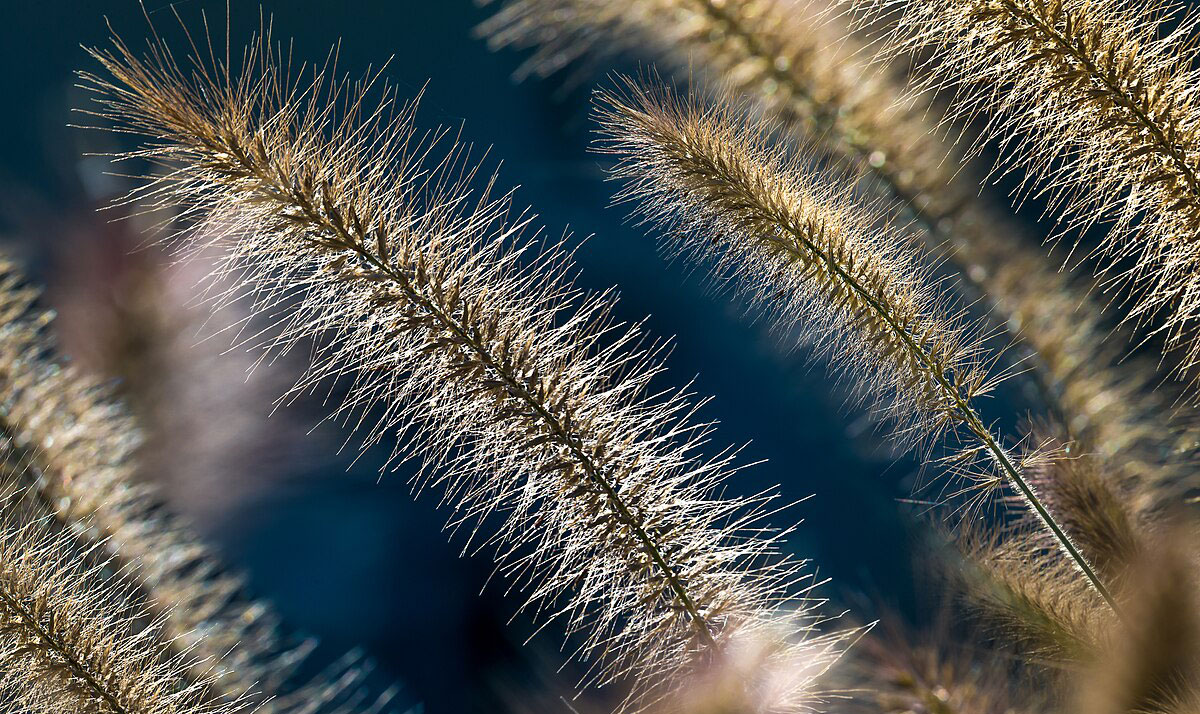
x=80, y=451
x=864, y=301
x=1016, y=577
x=1146, y=662
x=1082, y=497
x=755, y=672
x=516, y=391
x=69, y=642
x=1152, y=662
x=1097, y=100
x=1030, y=596
x=790, y=57
x=799, y=66
x=1111, y=406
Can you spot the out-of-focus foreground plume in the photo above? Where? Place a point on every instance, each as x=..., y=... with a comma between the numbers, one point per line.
x=1096, y=102
x=71, y=639
x=1067, y=652
x=797, y=63
x=1078, y=489
x=1014, y=575
x=82, y=450
x=755, y=673
x=467, y=340
x=1028, y=596
x=893, y=670
x=1145, y=660
x=724, y=191
x=129, y=312
x=1150, y=662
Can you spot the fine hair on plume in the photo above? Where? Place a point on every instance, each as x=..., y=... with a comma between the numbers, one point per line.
x=79, y=450
x=462, y=336
x=798, y=63
x=1096, y=103
x=721, y=190
x=72, y=638
x=817, y=160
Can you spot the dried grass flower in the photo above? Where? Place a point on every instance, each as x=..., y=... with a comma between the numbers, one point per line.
x=464, y=339
x=724, y=192
x=1095, y=101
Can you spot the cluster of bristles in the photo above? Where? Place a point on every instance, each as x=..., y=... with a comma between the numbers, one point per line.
x=454, y=333
x=860, y=294
x=1096, y=102
x=69, y=638
x=857, y=289
x=792, y=59
x=467, y=343
x=78, y=455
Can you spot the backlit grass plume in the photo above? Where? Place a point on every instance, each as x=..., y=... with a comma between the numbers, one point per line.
x=1015, y=577
x=1098, y=101
x=790, y=57
x=1030, y=596
x=857, y=290
x=69, y=642
x=79, y=451
x=1147, y=661
x=796, y=63
x=523, y=401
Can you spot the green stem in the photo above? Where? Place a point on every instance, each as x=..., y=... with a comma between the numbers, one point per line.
x=962, y=408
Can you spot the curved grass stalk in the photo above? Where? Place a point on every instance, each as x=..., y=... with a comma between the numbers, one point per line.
x=802, y=69
x=857, y=291
x=521, y=398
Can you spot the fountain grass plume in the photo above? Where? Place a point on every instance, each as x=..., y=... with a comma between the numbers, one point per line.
x=71, y=637
x=798, y=64
x=462, y=336
x=80, y=454
x=726, y=192
x=1096, y=102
